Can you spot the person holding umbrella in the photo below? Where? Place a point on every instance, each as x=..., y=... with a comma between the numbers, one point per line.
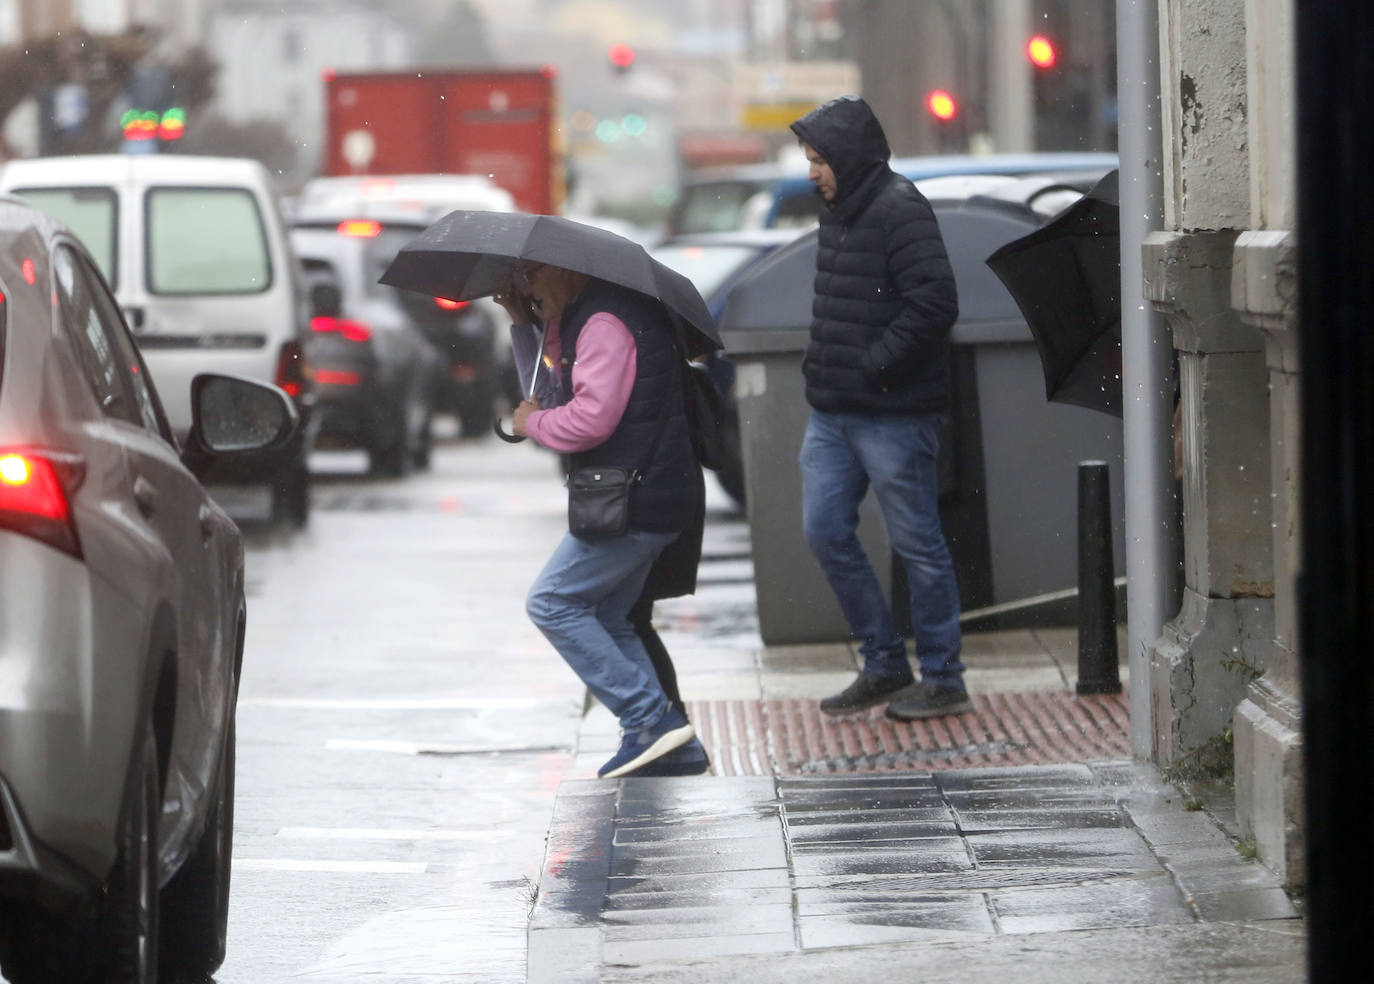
x=615, y=398
x=877, y=375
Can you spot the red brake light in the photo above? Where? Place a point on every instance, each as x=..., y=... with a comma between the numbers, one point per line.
x=33, y=500
x=30, y=274
x=360, y=228
x=449, y=305
x=291, y=371
x=337, y=377
x=354, y=331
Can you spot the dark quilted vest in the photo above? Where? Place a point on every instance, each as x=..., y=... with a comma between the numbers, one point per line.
x=666, y=497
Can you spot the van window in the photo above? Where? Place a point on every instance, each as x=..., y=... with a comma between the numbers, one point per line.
x=91, y=213
x=206, y=241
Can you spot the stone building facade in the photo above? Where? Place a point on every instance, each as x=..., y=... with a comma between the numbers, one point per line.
x=1223, y=273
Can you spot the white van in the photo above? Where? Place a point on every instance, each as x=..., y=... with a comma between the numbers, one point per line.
x=199, y=259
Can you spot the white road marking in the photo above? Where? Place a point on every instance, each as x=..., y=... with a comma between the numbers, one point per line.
x=394, y=703
x=351, y=867
x=415, y=748
x=377, y=833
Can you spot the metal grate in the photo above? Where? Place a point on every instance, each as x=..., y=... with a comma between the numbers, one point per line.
x=792, y=737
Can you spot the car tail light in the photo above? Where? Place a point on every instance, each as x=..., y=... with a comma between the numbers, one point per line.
x=33, y=496
x=337, y=377
x=354, y=331
x=360, y=228
x=291, y=370
x=449, y=305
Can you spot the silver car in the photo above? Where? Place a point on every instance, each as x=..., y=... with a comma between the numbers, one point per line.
x=121, y=630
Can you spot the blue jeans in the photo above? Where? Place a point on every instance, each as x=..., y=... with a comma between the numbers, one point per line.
x=841, y=455
x=581, y=602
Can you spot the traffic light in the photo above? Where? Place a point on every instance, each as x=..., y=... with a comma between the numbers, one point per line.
x=1041, y=52
x=621, y=56
x=942, y=105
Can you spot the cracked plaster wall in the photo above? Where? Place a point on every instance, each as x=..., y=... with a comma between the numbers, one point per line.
x=1204, y=112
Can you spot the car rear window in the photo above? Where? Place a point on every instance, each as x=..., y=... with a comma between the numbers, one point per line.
x=707, y=267
x=719, y=206
x=91, y=213
x=206, y=241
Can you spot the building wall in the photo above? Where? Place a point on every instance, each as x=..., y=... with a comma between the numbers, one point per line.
x=271, y=61
x=1222, y=271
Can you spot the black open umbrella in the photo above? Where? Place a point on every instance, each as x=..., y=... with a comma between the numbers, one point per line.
x=1066, y=279
x=469, y=254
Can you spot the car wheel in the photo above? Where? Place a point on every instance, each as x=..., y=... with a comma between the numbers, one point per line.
x=477, y=409
x=126, y=938
x=424, y=441
x=731, y=472
x=195, y=903
x=291, y=496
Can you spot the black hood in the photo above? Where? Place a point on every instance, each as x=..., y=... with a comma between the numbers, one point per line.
x=845, y=132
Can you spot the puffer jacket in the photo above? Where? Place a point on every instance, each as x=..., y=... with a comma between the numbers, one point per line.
x=885, y=299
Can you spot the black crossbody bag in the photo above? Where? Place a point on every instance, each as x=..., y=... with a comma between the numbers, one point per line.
x=599, y=495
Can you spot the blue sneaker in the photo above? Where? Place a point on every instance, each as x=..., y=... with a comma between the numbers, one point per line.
x=638, y=748
x=688, y=760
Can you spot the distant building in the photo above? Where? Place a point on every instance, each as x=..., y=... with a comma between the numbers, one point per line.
x=272, y=56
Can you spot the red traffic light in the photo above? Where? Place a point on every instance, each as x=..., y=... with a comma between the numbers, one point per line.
x=1040, y=51
x=622, y=56
x=942, y=105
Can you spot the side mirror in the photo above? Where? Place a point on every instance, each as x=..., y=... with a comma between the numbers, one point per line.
x=326, y=301
x=235, y=416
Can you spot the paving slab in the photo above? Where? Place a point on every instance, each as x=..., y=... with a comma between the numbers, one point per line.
x=851, y=876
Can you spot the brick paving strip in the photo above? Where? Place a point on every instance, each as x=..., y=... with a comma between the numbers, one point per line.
x=791, y=737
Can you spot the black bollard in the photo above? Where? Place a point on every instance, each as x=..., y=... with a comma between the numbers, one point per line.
x=1097, y=657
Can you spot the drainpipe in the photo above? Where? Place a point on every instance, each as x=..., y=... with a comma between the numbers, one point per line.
x=1146, y=357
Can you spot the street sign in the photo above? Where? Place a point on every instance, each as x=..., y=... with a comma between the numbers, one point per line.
x=773, y=116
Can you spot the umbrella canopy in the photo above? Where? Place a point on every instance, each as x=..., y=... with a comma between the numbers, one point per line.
x=1066, y=279
x=469, y=254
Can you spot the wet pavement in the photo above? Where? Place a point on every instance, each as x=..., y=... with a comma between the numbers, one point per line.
x=874, y=878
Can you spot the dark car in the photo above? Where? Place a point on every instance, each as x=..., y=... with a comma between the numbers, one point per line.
x=379, y=370
x=122, y=620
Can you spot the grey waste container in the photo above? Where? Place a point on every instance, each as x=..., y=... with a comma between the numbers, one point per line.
x=1008, y=469
x=795, y=604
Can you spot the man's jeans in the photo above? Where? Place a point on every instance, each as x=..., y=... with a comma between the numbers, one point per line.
x=581, y=602
x=841, y=455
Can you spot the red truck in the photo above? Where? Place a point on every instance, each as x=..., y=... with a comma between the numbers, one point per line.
x=494, y=122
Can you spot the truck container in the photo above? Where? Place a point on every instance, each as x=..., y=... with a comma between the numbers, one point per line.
x=494, y=122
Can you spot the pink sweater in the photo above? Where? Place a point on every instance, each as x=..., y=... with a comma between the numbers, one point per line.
x=606, y=366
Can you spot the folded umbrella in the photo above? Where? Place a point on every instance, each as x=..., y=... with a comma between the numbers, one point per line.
x=1066, y=279
x=469, y=254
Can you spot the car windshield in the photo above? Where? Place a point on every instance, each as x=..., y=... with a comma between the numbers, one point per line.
x=206, y=241
x=90, y=213
x=707, y=267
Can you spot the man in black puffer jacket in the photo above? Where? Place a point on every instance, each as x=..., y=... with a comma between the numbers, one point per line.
x=877, y=378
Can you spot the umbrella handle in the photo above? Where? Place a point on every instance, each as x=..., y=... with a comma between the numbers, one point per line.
x=508, y=438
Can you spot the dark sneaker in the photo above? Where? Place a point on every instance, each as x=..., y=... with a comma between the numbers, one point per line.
x=865, y=691
x=639, y=748
x=688, y=760
x=925, y=700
